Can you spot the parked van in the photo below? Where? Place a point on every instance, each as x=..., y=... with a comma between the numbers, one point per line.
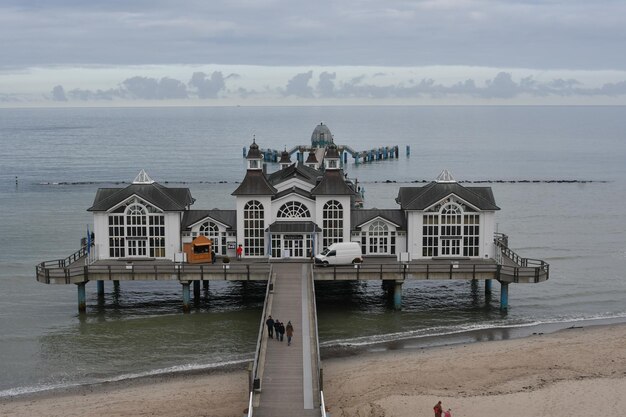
x=341, y=253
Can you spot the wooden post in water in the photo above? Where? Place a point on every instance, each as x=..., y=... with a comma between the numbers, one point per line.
x=487, y=286
x=504, y=296
x=397, y=295
x=196, y=291
x=186, y=307
x=116, y=286
x=82, y=304
x=100, y=284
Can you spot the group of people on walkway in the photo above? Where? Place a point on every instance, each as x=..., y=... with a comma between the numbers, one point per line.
x=278, y=327
x=439, y=411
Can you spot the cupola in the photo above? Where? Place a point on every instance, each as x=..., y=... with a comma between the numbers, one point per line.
x=311, y=160
x=255, y=157
x=331, y=159
x=285, y=159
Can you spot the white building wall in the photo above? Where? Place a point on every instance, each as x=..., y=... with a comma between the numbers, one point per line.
x=414, y=234
x=319, y=216
x=266, y=201
x=101, y=235
x=488, y=223
x=172, y=234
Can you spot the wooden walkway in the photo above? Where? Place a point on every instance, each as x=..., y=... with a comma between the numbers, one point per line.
x=289, y=386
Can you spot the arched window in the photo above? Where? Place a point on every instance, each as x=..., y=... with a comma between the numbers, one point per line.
x=136, y=221
x=253, y=229
x=332, y=216
x=211, y=231
x=294, y=210
x=455, y=230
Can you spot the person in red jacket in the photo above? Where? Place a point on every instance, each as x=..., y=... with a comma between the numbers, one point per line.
x=239, y=252
x=438, y=409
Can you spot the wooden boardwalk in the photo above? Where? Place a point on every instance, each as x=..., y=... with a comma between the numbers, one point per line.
x=289, y=386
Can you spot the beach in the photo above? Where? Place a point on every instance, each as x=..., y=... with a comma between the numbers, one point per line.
x=579, y=371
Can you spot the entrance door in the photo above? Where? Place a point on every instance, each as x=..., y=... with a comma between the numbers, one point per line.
x=136, y=247
x=450, y=246
x=295, y=245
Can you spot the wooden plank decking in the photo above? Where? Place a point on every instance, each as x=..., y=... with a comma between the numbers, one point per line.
x=289, y=385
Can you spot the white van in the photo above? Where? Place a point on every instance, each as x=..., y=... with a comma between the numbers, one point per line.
x=341, y=253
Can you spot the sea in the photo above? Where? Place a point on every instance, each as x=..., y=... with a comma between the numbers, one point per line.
x=558, y=174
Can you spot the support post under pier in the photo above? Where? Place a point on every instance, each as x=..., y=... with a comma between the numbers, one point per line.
x=196, y=292
x=397, y=295
x=116, y=286
x=82, y=303
x=186, y=307
x=504, y=296
x=487, y=286
x=205, y=285
x=100, y=288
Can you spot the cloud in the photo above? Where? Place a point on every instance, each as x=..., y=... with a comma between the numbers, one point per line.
x=58, y=93
x=326, y=85
x=153, y=89
x=298, y=86
x=208, y=87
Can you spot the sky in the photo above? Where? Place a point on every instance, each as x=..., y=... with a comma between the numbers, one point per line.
x=275, y=52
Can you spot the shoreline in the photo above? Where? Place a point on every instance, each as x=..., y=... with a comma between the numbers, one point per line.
x=583, y=359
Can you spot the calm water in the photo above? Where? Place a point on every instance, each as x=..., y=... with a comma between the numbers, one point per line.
x=578, y=228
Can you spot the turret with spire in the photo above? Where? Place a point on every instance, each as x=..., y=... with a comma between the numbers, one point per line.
x=285, y=160
x=254, y=157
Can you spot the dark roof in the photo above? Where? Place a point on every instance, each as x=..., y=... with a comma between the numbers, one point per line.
x=254, y=183
x=360, y=216
x=333, y=183
x=227, y=217
x=311, y=159
x=420, y=198
x=331, y=151
x=166, y=199
x=293, y=227
x=297, y=170
x=284, y=157
x=293, y=190
x=254, y=152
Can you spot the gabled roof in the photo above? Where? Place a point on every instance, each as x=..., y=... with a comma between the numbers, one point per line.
x=255, y=183
x=358, y=217
x=333, y=183
x=296, y=170
x=293, y=190
x=226, y=217
x=420, y=198
x=166, y=199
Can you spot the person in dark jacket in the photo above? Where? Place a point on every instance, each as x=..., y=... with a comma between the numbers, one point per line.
x=270, y=327
x=289, y=330
x=277, y=329
x=281, y=330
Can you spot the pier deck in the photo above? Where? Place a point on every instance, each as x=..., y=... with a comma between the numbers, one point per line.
x=289, y=384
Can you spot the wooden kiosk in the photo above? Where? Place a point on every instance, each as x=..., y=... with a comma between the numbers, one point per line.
x=199, y=250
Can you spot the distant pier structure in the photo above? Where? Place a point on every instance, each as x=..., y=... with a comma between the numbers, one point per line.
x=321, y=138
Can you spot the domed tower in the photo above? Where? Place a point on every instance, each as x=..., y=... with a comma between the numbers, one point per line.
x=255, y=157
x=285, y=159
x=321, y=136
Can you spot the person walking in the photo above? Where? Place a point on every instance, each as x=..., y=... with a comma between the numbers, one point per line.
x=239, y=252
x=289, y=330
x=438, y=409
x=448, y=413
x=281, y=330
x=270, y=327
x=277, y=330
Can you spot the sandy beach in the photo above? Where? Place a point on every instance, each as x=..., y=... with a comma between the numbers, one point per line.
x=574, y=372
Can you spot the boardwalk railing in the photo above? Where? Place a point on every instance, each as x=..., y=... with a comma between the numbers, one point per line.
x=320, y=374
x=540, y=268
x=50, y=271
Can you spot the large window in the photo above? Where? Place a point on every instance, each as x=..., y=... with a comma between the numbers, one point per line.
x=253, y=229
x=136, y=230
x=294, y=209
x=378, y=239
x=451, y=229
x=332, y=231
x=212, y=231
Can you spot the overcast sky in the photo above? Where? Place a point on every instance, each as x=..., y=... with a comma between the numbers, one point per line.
x=518, y=51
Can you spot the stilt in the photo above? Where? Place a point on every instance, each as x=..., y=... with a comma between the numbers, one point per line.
x=100, y=288
x=82, y=304
x=196, y=291
x=116, y=286
x=397, y=295
x=504, y=295
x=186, y=307
x=487, y=286
x=205, y=285
x=408, y=150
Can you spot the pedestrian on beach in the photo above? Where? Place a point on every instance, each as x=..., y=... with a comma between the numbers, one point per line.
x=289, y=330
x=438, y=409
x=281, y=330
x=448, y=413
x=277, y=329
x=239, y=252
x=270, y=327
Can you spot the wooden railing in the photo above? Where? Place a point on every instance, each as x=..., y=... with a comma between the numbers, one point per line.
x=540, y=268
x=131, y=271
